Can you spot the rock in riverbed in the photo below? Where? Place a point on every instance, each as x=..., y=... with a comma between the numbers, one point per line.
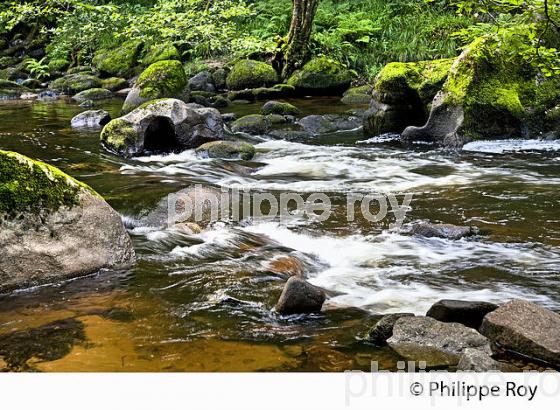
x=383, y=330
x=525, y=328
x=436, y=343
x=446, y=231
x=53, y=227
x=227, y=150
x=467, y=313
x=300, y=296
x=94, y=119
x=474, y=360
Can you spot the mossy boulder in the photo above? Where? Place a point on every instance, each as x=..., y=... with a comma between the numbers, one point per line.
x=119, y=61
x=114, y=83
x=75, y=83
x=490, y=93
x=281, y=108
x=58, y=65
x=254, y=124
x=11, y=90
x=161, y=52
x=357, y=95
x=93, y=94
x=251, y=74
x=232, y=150
x=263, y=93
x=321, y=75
x=164, y=79
x=162, y=126
x=220, y=78
x=53, y=227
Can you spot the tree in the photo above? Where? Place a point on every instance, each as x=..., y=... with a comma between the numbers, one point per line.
x=295, y=51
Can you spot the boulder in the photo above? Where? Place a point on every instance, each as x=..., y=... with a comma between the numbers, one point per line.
x=58, y=65
x=300, y=296
x=219, y=77
x=160, y=52
x=53, y=227
x=525, y=328
x=227, y=150
x=251, y=74
x=383, y=329
x=474, y=360
x=321, y=76
x=94, y=119
x=436, y=343
x=93, y=94
x=467, y=313
x=446, y=231
x=324, y=124
x=281, y=108
x=402, y=95
x=490, y=93
x=11, y=90
x=114, y=83
x=119, y=61
x=164, y=79
x=203, y=81
x=254, y=124
x=162, y=126
x=75, y=83
x=358, y=95
x=263, y=93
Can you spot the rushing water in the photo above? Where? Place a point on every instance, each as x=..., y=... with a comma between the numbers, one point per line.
x=203, y=302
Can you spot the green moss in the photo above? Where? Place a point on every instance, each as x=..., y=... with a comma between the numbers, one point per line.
x=358, y=95
x=94, y=94
x=281, y=108
x=321, y=73
x=114, y=83
x=251, y=74
x=118, y=135
x=119, y=61
x=161, y=52
x=227, y=150
x=162, y=79
x=58, y=65
x=75, y=83
x=31, y=186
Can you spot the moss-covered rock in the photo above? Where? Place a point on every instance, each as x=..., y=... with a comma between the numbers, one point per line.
x=321, y=76
x=75, y=83
x=358, y=95
x=8, y=61
x=490, y=93
x=281, y=108
x=119, y=61
x=227, y=150
x=58, y=65
x=93, y=94
x=11, y=90
x=164, y=79
x=161, y=52
x=254, y=124
x=114, y=83
x=119, y=135
x=251, y=74
x=220, y=78
x=263, y=93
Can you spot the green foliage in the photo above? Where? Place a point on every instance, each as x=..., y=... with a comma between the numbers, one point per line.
x=37, y=69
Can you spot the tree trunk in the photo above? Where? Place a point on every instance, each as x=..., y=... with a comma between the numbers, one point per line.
x=297, y=46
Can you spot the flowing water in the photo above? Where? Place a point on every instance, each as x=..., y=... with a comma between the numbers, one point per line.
x=203, y=302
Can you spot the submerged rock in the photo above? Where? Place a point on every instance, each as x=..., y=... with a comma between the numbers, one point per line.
x=437, y=343
x=93, y=94
x=324, y=124
x=321, y=76
x=251, y=74
x=162, y=126
x=467, y=313
x=281, y=108
x=227, y=150
x=383, y=329
x=446, y=231
x=94, y=119
x=525, y=328
x=300, y=296
x=164, y=79
x=53, y=227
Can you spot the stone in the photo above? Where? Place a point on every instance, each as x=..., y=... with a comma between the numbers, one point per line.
x=219, y=77
x=465, y=312
x=525, y=328
x=231, y=150
x=114, y=83
x=357, y=95
x=474, y=360
x=162, y=126
x=94, y=119
x=300, y=296
x=254, y=124
x=329, y=123
x=436, y=343
x=251, y=74
x=93, y=94
x=119, y=61
x=321, y=76
x=164, y=79
x=281, y=108
x=446, y=231
x=203, y=81
x=383, y=329
x=160, y=52
x=53, y=227
x=75, y=83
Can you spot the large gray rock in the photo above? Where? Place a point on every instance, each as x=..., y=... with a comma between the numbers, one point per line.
x=203, y=81
x=525, y=328
x=94, y=119
x=163, y=126
x=436, y=343
x=299, y=296
x=383, y=329
x=52, y=227
x=465, y=312
x=324, y=124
